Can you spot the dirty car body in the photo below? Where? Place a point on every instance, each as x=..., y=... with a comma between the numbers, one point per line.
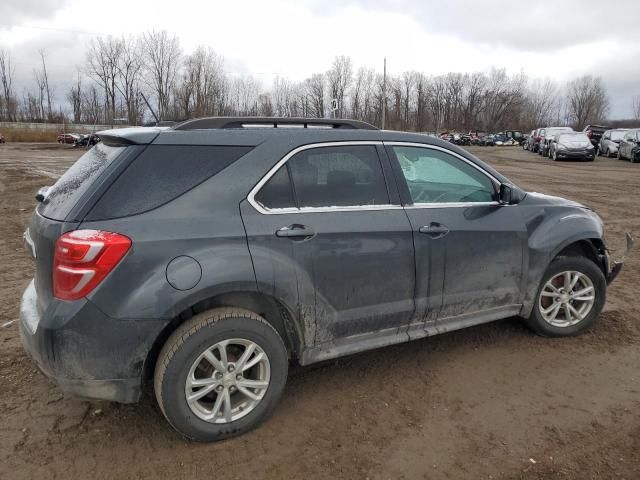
x=335, y=236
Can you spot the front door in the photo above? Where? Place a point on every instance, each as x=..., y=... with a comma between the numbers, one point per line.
x=469, y=247
x=326, y=229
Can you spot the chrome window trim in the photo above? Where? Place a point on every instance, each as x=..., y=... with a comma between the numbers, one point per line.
x=282, y=211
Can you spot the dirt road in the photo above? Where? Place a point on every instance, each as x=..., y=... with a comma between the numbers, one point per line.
x=493, y=401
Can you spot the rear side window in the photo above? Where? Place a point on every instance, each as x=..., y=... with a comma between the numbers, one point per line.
x=160, y=174
x=66, y=192
x=349, y=175
x=342, y=176
x=277, y=192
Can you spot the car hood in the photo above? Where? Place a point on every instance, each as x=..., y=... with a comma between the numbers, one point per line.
x=535, y=198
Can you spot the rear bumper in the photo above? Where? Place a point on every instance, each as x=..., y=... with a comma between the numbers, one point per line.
x=85, y=352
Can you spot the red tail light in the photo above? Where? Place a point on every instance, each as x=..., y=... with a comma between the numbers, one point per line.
x=538, y=138
x=589, y=133
x=83, y=258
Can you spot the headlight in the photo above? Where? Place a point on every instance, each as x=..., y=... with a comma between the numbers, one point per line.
x=590, y=147
x=561, y=147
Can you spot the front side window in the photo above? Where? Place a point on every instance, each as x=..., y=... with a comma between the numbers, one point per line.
x=340, y=176
x=434, y=176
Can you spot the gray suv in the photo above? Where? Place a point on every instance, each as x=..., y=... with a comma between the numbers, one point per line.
x=206, y=257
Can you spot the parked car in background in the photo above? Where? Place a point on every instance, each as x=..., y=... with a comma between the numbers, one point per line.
x=629, y=146
x=537, y=138
x=608, y=145
x=207, y=258
x=87, y=140
x=594, y=132
x=68, y=138
x=2, y=139
x=547, y=135
x=571, y=146
x=516, y=135
x=529, y=141
x=487, y=140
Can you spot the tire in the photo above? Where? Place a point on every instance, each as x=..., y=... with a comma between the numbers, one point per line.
x=618, y=156
x=182, y=356
x=588, y=269
x=555, y=156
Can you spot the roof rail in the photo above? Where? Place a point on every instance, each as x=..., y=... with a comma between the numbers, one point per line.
x=274, y=122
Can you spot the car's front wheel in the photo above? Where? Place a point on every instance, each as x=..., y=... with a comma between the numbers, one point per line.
x=571, y=295
x=220, y=374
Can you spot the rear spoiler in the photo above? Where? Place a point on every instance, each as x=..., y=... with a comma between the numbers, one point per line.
x=120, y=137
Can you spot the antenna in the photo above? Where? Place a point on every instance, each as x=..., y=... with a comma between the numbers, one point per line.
x=384, y=91
x=149, y=107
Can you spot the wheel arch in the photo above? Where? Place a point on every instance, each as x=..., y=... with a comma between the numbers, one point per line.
x=274, y=311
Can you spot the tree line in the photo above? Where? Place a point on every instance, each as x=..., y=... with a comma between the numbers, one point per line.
x=118, y=74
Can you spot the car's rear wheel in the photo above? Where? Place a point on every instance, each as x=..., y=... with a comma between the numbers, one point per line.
x=220, y=374
x=571, y=295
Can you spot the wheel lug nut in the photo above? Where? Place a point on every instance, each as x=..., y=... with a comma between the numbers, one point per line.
x=231, y=368
x=218, y=375
x=238, y=377
x=219, y=388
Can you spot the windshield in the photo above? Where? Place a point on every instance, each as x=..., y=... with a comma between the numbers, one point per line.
x=618, y=134
x=574, y=138
x=552, y=131
x=69, y=188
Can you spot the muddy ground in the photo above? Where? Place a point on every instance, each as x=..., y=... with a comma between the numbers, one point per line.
x=493, y=401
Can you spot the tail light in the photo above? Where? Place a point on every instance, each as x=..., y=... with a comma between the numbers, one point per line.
x=589, y=133
x=83, y=258
x=538, y=138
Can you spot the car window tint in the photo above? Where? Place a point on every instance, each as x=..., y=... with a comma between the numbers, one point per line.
x=434, y=176
x=349, y=175
x=160, y=174
x=277, y=192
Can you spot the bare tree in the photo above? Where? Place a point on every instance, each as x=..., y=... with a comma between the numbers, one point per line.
x=204, y=82
x=315, y=87
x=44, y=90
x=245, y=95
x=128, y=67
x=587, y=101
x=74, y=97
x=103, y=58
x=635, y=105
x=162, y=56
x=339, y=79
x=283, y=97
x=7, y=71
x=542, y=103
x=504, y=94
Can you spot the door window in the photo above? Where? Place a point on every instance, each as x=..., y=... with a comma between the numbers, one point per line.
x=340, y=176
x=434, y=176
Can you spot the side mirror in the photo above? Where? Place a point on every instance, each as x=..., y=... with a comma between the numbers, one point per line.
x=509, y=194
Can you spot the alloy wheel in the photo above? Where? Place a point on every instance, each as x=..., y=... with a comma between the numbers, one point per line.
x=228, y=380
x=566, y=299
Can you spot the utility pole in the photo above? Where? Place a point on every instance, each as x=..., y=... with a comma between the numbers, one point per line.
x=384, y=91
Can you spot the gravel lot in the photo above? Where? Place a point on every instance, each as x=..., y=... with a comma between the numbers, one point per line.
x=493, y=401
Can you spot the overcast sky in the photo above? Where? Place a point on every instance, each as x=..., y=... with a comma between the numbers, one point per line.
x=294, y=38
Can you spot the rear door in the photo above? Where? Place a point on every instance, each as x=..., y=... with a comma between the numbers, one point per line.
x=326, y=232
x=469, y=248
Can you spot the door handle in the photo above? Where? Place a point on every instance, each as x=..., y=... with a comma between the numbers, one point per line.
x=434, y=230
x=295, y=231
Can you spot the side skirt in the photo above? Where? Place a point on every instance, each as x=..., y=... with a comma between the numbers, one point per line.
x=392, y=336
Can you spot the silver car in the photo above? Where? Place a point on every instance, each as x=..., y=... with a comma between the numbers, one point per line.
x=610, y=140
